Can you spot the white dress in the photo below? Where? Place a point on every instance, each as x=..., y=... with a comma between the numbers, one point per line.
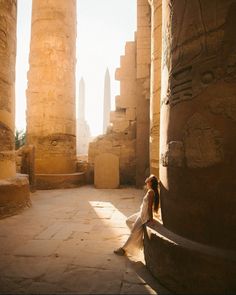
x=135, y=223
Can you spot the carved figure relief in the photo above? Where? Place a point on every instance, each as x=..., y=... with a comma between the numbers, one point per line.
x=224, y=106
x=202, y=143
x=174, y=155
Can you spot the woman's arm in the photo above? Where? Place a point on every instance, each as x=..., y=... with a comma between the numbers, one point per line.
x=150, y=205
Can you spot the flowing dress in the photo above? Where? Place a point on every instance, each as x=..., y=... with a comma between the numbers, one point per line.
x=135, y=222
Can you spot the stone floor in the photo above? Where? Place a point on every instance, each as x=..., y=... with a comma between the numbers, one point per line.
x=64, y=244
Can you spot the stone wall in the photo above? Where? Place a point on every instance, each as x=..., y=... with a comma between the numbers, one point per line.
x=51, y=86
x=120, y=139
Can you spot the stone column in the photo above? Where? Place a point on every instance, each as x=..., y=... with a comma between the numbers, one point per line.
x=143, y=61
x=155, y=83
x=106, y=102
x=14, y=191
x=197, y=241
x=51, y=86
x=7, y=88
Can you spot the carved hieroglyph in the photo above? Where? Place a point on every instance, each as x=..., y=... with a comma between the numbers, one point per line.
x=51, y=86
x=7, y=86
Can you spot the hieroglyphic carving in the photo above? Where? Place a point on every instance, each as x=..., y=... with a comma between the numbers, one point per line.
x=174, y=155
x=6, y=138
x=224, y=106
x=202, y=143
x=202, y=50
x=7, y=156
x=5, y=98
x=55, y=143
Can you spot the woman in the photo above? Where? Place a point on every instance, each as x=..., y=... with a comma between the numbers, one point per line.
x=150, y=202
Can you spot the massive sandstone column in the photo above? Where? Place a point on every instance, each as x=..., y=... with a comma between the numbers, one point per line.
x=51, y=86
x=194, y=251
x=14, y=191
x=155, y=83
x=106, y=102
x=143, y=61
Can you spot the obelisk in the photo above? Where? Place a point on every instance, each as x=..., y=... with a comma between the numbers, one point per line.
x=83, y=130
x=51, y=108
x=81, y=102
x=106, y=101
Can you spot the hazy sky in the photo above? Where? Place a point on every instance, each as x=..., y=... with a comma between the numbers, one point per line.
x=103, y=27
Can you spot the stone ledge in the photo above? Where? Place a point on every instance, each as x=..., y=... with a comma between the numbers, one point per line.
x=188, y=267
x=14, y=195
x=55, y=181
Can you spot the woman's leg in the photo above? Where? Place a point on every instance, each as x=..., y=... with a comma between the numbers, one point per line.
x=130, y=221
x=135, y=240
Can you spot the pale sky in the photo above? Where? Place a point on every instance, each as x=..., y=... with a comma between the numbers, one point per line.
x=103, y=27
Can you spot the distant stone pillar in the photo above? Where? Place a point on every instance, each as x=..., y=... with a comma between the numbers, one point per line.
x=14, y=190
x=106, y=102
x=83, y=131
x=197, y=240
x=155, y=84
x=51, y=108
x=81, y=102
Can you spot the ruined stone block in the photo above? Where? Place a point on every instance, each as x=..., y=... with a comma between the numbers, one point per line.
x=106, y=171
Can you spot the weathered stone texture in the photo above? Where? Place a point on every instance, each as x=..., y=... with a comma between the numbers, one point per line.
x=106, y=171
x=106, y=101
x=143, y=60
x=7, y=86
x=14, y=190
x=197, y=144
x=155, y=83
x=51, y=86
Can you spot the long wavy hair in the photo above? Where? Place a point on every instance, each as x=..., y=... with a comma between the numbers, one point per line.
x=154, y=185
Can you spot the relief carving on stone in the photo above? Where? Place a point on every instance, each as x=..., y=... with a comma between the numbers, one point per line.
x=7, y=156
x=203, y=50
x=6, y=138
x=224, y=106
x=56, y=144
x=174, y=155
x=202, y=143
x=5, y=98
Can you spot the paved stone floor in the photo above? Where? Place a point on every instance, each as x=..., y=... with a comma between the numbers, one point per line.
x=64, y=244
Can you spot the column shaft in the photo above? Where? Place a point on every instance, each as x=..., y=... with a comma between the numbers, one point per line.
x=7, y=88
x=51, y=86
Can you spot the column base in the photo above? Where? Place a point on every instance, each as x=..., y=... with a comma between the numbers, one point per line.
x=187, y=267
x=14, y=195
x=56, y=181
